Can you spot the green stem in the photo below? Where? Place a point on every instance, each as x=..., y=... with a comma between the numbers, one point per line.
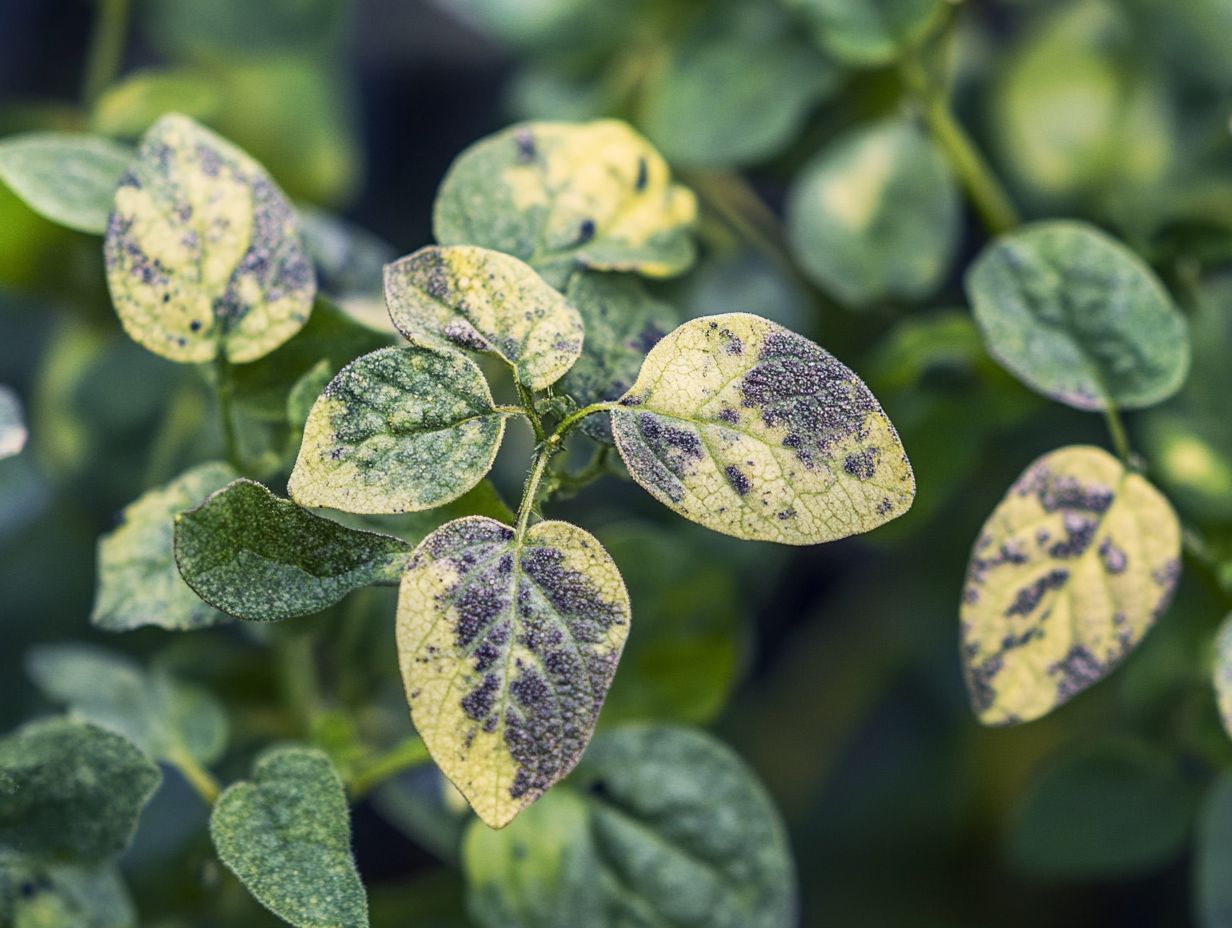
x=531, y=490
x=1116, y=430
x=226, y=412
x=528, y=407
x=297, y=677
x=403, y=756
x=566, y=424
x=106, y=48
x=198, y=777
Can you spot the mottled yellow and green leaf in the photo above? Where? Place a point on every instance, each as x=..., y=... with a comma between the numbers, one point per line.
x=1222, y=675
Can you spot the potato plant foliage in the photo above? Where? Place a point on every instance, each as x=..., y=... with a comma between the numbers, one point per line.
x=610, y=320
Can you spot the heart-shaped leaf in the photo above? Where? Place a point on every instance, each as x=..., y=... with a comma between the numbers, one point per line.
x=751, y=430
x=1077, y=316
x=561, y=194
x=203, y=253
x=481, y=300
x=398, y=430
x=13, y=432
x=869, y=32
x=508, y=645
x=66, y=177
x=286, y=834
x=265, y=559
x=1069, y=572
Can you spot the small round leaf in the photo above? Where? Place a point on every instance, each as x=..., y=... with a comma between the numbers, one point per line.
x=869, y=32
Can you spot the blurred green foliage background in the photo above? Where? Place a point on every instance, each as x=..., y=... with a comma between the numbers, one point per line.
x=834, y=671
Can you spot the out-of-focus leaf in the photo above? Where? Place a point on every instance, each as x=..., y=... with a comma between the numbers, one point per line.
x=238, y=28
x=546, y=24
x=1077, y=316
x=1069, y=572
x=350, y=263
x=64, y=896
x=868, y=32
x=876, y=215
x=1222, y=675
x=1212, y=890
x=130, y=106
x=68, y=178
x=13, y=432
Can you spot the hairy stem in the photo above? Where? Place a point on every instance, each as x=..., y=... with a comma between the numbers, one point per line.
x=528, y=407
x=106, y=51
x=403, y=756
x=531, y=491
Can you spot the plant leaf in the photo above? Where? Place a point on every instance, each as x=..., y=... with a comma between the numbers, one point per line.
x=507, y=647
x=480, y=300
x=286, y=835
x=667, y=827
x=65, y=896
x=13, y=432
x=131, y=105
x=1069, y=572
x=202, y=250
x=265, y=559
x=754, y=431
x=562, y=194
x=70, y=792
x=165, y=717
x=1213, y=853
x=66, y=177
x=398, y=430
x=138, y=583
x=869, y=32
x=876, y=215
x=1222, y=674
x=1077, y=316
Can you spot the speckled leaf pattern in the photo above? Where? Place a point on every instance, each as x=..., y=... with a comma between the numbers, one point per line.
x=868, y=32
x=1222, y=675
x=13, y=432
x=138, y=583
x=64, y=896
x=1078, y=317
x=202, y=250
x=507, y=647
x=560, y=194
x=480, y=300
x=666, y=827
x=265, y=559
x=623, y=322
x=1069, y=572
x=398, y=430
x=751, y=430
x=286, y=834
x=66, y=177
x=70, y=792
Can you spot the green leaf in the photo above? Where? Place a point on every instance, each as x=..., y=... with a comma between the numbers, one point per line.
x=667, y=827
x=623, y=322
x=771, y=77
x=1069, y=572
x=1213, y=891
x=869, y=32
x=74, y=791
x=286, y=835
x=507, y=646
x=754, y=431
x=265, y=559
x=138, y=583
x=13, y=432
x=167, y=718
x=875, y=215
x=485, y=301
x=66, y=177
x=65, y=896
x=1108, y=810
x=398, y=430
x=202, y=250
x=558, y=195
x=130, y=106
x=1076, y=316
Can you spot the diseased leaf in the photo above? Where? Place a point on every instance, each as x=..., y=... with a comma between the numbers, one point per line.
x=623, y=322
x=754, y=431
x=481, y=300
x=13, y=432
x=286, y=835
x=869, y=32
x=398, y=430
x=265, y=559
x=1069, y=572
x=666, y=827
x=64, y=896
x=138, y=583
x=72, y=792
x=66, y=177
x=202, y=250
x=1077, y=316
x=507, y=647
x=1213, y=853
x=167, y=718
x=876, y=215
x=558, y=195
x=1222, y=675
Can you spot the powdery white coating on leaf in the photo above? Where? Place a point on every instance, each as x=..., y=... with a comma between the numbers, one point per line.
x=202, y=250
x=398, y=430
x=13, y=432
x=463, y=297
x=265, y=559
x=66, y=177
x=1222, y=674
x=1078, y=317
x=138, y=583
x=751, y=430
x=507, y=648
x=286, y=834
x=1069, y=572
x=561, y=194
